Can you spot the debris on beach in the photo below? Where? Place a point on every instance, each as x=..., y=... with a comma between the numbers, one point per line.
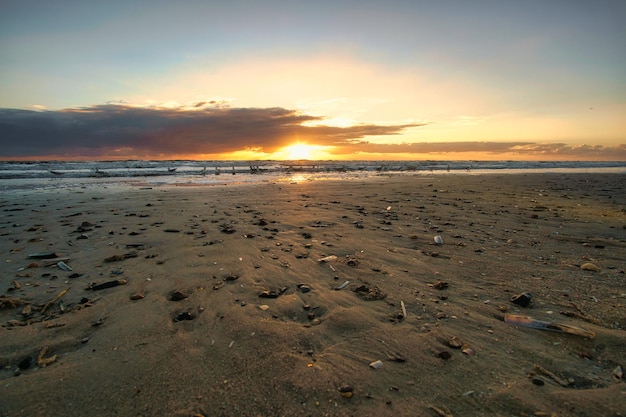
x=54, y=300
x=116, y=258
x=376, y=364
x=439, y=285
x=43, y=255
x=346, y=391
x=11, y=302
x=108, y=284
x=43, y=361
x=178, y=296
x=522, y=299
x=273, y=293
x=588, y=266
x=63, y=266
x=184, y=316
x=342, y=286
x=370, y=292
x=526, y=321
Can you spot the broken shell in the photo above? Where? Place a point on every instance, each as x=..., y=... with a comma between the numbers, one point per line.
x=327, y=258
x=468, y=350
x=455, y=343
x=438, y=240
x=376, y=364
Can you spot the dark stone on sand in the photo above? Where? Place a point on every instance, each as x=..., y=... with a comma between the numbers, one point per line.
x=108, y=284
x=440, y=285
x=346, y=391
x=231, y=277
x=75, y=275
x=25, y=363
x=304, y=288
x=268, y=294
x=172, y=231
x=184, y=316
x=307, y=235
x=178, y=296
x=272, y=293
x=227, y=228
x=353, y=262
x=538, y=381
x=445, y=355
x=370, y=293
x=522, y=299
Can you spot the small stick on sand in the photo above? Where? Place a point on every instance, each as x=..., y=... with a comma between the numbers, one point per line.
x=526, y=321
x=54, y=300
x=541, y=370
x=440, y=412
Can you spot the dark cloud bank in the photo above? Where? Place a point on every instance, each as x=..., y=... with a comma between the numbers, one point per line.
x=123, y=131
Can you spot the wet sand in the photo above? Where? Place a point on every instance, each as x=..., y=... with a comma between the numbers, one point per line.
x=266, y=300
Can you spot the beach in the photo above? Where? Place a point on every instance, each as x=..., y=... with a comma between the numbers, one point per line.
x=405, y=295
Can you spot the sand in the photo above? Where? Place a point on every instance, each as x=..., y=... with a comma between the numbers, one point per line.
x=190, y=334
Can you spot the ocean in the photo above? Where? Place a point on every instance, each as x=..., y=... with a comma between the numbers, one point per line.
x=20, y=175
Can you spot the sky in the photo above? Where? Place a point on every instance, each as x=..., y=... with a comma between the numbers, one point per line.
x=341, y=79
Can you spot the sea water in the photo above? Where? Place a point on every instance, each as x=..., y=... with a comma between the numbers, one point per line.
x=20, y=175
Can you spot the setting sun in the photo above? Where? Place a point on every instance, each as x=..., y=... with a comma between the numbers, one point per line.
x=299, y=151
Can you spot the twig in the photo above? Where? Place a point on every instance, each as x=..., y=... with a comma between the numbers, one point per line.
x=541, y=370
x=440, y=412
x=54, y=300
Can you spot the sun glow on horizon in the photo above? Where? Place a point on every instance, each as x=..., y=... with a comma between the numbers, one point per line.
x=300, y=150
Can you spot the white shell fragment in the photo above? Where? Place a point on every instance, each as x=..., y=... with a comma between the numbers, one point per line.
x=376, y=364
x=327, y=258
x=438, y=240
x=65, y=267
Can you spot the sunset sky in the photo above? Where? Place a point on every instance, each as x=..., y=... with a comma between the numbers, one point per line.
x=352, y=79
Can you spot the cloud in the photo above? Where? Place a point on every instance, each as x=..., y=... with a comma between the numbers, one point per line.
x=488, y=150
x=212, y=129
x=122, y=130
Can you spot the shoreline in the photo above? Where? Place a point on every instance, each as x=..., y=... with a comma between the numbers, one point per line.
x=55, y=183
x=239, y=314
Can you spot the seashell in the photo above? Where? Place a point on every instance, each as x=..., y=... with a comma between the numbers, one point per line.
x=65, y=267
x=327, y=258
x=455, y=343
x=438, y=240
x=376, y=364
x=468, y=350
x=137, y=296
x=264, y=307
x=588, y=266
